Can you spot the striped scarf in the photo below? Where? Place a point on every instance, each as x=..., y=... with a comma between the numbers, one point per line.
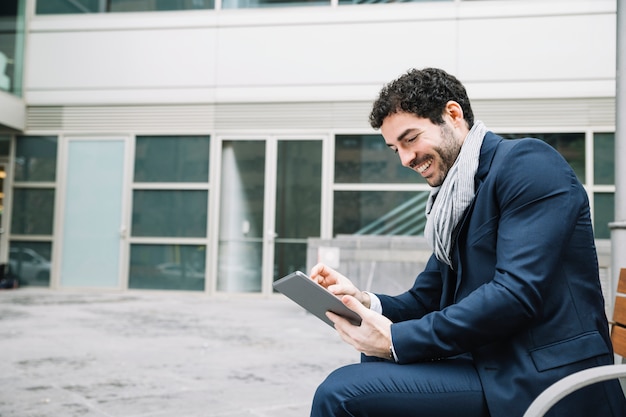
x=447, y=203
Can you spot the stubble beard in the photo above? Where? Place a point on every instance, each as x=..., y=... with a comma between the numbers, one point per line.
x=448, y=152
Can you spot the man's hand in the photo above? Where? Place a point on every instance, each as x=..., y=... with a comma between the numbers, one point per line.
x=372, y=337
x=338, y=284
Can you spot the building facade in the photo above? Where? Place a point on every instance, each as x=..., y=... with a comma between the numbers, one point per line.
x=200, y=146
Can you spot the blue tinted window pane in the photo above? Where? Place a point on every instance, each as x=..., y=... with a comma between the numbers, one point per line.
x=172, y=159
x=298, y=189
x=367, y=159
x=570, y=145
x=386, y=1
x=604, y=158
x=35, y=159
x=249, y=4
x=67, y=6
x=167, y=267
x=603, y=214
x=32, y=211
x=169, y=213
x=380, y=213
x=12, y=45
x=157, y=5
x=29, y=262
x=99, y=6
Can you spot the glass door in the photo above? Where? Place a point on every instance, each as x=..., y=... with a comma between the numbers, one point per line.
x=93, y=226
x=270, y=203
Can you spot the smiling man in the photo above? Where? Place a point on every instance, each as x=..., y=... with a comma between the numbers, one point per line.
x=509, y=302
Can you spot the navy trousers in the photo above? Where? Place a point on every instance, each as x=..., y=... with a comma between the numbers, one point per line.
x=376, y=388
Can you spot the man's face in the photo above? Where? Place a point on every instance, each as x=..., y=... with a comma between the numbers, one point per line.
x=427, y=148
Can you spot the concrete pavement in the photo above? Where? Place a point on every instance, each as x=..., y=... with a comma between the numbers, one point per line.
x=160, y=354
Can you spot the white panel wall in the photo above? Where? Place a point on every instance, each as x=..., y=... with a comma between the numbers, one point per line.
x=500, y=49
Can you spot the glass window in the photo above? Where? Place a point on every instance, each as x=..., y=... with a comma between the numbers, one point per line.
x=604, y=158
x=35, y=159
x=170, y=213
x=172, y=159
x=33, y=211
x=103, y=6
x=380, y=213
x=248, y=4
x=30, y=262
x=384, y=1
x=570, y=145
x=240, y=251
x=604, y=213
x=367, y=159
x=11, y=45
x=167, y=267
x=298, y=202
x=298, y=189
x=5, y=145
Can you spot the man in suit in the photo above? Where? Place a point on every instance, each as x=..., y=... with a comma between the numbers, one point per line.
x=509, y=302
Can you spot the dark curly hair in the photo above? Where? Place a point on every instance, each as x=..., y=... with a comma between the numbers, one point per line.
x=421, y=92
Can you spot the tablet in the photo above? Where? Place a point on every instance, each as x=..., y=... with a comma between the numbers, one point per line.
x=314, y=298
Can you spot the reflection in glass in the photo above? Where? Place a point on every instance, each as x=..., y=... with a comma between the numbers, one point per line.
x=241, y=216
x=367, y=159
x=169, y=213
x=289, y=257
x=385, y=1
x=249, y=4
x=12, y=45
x=603, y=214
x=172, y=159
x=604, y=158
x=380, y=213
x=570, y=145
x=298, y=202
x=32, y=211
x=35, y=159
x=103, y=6
x=167, y=267
x=30, y=262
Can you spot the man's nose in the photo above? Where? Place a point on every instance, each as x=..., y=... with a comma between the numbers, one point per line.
x=406, y=158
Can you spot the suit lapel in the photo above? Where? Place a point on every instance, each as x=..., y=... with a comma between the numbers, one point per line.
x=487, y=152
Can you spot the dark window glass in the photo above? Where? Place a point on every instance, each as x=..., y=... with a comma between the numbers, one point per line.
x=169, y=213
x=249, y=4
x=33, y=211
x=380, y=213
x=167, y=267
x=570, y=145
x=298, y=189
x=367, y=159
x=172, y=159
x=12, y=45
x=5, y=145
x=386, y=1
x=604, y=213
x=30, y=262
x=103, y=6
x=35, y=159
x=604, y=158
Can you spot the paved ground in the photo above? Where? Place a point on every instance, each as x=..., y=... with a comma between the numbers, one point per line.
x=91, y=354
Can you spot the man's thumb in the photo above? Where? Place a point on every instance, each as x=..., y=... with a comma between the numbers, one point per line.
x=354, y=304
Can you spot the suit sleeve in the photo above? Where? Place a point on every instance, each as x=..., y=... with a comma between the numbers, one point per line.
x=541, y=204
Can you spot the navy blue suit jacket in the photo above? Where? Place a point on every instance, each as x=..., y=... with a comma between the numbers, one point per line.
x=524, y=297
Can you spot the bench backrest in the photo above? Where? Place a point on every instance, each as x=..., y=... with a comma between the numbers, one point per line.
x=618, y=332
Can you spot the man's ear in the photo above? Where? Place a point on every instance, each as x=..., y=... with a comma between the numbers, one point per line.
x=454, y=110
